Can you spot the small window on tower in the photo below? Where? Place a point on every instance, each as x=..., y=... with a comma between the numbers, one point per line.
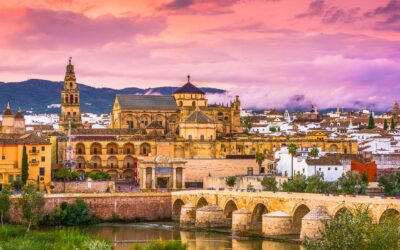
x=70, y=84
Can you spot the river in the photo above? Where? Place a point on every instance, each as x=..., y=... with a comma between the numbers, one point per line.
x=124, y=236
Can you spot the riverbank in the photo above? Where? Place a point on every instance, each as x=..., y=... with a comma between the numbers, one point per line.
x=15, y=237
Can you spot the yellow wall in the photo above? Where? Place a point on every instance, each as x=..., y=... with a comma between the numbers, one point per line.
x=11, y=162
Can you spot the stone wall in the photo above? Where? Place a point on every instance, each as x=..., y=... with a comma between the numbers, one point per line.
x=83, y=187
x=196, y=169
x=129, y=207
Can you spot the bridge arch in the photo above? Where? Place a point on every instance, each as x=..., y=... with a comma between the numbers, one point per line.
x=201, y=202
x=298, y=213
x=340, y=211
x=176, y=209
x=229, y=207
x=256, y=216
x=388, y=213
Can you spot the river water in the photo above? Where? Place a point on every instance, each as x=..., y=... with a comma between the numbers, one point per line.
x=124, y=236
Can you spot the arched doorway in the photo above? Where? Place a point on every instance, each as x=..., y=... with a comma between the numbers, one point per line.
x=80, y=149
x=129, y=149
x=95, y=149
x=256, y=216
x=298, y=215
x=95, y=162
x=176, y=209
x=228, y=210
x=145, y=149
x=112, y=148
x=201, y=202
x=112, y=162
x=389, y=214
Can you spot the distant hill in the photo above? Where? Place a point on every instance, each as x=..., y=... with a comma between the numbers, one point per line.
x=35, y=95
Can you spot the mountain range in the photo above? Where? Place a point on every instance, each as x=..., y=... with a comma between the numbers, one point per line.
x=37, y=95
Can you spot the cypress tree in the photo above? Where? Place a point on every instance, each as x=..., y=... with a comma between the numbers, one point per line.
x=393, y=124
x=385, y=125
x=25, y=166
x=371, y=122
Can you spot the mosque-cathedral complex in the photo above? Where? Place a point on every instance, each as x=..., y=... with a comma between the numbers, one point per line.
x=180, y=126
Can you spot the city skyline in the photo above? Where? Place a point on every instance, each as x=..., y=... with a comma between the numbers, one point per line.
x=272, y=53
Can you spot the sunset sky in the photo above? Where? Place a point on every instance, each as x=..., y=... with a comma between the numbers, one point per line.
x=273, y=53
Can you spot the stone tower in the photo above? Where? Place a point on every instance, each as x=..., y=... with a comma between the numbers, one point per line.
x=70, y=101
x=236, y=126
x=19, y=123
x=8, y=120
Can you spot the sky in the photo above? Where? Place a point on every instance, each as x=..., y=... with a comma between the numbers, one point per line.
x=273, y=53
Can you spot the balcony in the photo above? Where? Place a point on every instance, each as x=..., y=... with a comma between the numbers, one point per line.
x=34, y=152
x=34, y=162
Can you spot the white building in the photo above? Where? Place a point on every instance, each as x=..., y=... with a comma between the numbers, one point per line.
x=329, y=166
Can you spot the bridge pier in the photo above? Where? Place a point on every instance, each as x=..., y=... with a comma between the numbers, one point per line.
x=276, y=223
x=188, y=215
x=241, y=220
x=210, y=216
x=313, y=223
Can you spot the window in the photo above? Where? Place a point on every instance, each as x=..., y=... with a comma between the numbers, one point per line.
x=319, y=169
x=3, y=157
x=74, y=113
x=70, y=84
x=190, y=137
x=43, y=159
x=41, y=171
x=336, y=169
x=202, y=137
x=69, y=114
x=43, y=148
x=79, y=164
x=194, y=104
x=17, y=177
x=33, y=149
x=10, y=178
x=329, y=169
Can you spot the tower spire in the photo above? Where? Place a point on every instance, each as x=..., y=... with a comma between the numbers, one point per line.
x=8, y=104
x=70, y=58
x=188, y=77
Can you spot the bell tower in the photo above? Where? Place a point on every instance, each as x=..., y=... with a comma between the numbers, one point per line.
x=70, y=100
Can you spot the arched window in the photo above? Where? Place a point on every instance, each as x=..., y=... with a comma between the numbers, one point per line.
x=194, y=104
x=66, y=99
x=71, y=98
x=70, y=84
x=76, y=99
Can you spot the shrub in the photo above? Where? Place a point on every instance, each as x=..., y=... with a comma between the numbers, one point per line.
x=99, y=176
x=230, y=181
x=269, y=183
x=357, y=232
x=17, y=185
x=75, y=214
x=390, y=183
x=296, y=184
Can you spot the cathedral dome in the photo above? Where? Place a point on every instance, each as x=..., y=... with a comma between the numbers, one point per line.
x=189, y=88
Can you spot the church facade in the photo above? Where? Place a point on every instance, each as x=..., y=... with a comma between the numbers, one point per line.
x=166, y=113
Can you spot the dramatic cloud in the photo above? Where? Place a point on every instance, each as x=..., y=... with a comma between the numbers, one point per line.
x=282, y=54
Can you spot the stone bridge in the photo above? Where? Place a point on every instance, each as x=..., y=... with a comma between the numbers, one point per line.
x=250, y=208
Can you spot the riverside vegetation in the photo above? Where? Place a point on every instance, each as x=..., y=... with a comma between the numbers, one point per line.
x=58, y=233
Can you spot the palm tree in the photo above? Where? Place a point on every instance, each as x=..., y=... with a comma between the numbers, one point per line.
x=292, y=151
x=260, y=158
x=314, y=153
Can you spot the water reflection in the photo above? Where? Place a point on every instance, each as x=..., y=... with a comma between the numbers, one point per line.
x=125, y=235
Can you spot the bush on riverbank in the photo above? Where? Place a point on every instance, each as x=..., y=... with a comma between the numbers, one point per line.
x=17, y=238
x=74, y=214
x=358, y=232
x=161, y=245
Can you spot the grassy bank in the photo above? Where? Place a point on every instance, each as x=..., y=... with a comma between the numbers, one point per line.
x=14, y=237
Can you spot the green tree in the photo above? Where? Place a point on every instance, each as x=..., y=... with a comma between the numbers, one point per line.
x=269, y=183
x=297, y=184
x=316, y=184
x=371, y=121
x=5, y=203
x=390, y=183
x=314, y=154
x=351, y=183
x=357, y=231
x=32, y=204
x=230, y=181
x=25, y=166
x=393, y=124
x=385, y=125
x=247, y=124
x=260, y=158
x=272, y=129
x=292, y=151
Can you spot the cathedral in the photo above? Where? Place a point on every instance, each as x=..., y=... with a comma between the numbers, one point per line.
x=172, y=115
